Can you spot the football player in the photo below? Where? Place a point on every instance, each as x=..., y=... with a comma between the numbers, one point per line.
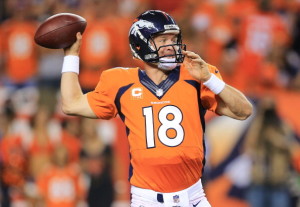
x=162, y=105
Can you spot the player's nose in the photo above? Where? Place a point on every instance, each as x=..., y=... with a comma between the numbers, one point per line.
x=170, y=49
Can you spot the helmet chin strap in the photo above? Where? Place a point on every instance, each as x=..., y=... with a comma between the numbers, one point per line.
x=167, y=63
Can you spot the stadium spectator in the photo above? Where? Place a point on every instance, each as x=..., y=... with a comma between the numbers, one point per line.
x=269, y=144
x=96, y=159
x=19, y=49
x=61, y=183
x=13, y=160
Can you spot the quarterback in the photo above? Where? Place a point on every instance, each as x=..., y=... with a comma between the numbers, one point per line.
x=162, y=105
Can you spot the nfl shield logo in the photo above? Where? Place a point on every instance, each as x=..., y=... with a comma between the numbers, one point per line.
x=176, y=199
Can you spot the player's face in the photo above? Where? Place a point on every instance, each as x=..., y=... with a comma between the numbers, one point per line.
x=164, y=43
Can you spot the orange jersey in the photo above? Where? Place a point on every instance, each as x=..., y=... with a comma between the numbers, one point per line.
x=97, y=47
x=259, y=32
x=61, y=187
x=98, y=44
x=72, y=144
x=240, y=9
x=14, y=162
x=164, y=124
x=21, y=61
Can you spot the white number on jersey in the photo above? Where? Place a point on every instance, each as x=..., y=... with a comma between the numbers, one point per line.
x=166, y=124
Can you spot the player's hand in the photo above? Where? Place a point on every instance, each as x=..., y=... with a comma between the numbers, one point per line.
x=75, y=48
x=196, y=66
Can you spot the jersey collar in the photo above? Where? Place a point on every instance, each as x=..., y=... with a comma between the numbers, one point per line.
x=161, y=89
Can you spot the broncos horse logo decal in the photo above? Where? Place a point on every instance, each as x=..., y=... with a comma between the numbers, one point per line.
x=141, y=24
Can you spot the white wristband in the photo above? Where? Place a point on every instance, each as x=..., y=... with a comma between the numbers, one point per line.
x=70, y=64
x=215, y=84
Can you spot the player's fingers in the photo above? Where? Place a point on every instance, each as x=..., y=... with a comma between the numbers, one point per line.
x=193, y=57
x=198, y=60
x=190, y=54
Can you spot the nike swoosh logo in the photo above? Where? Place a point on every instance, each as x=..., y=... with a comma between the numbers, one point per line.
x=194, y=205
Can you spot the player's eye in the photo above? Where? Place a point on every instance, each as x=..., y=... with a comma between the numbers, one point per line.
x=162, y=40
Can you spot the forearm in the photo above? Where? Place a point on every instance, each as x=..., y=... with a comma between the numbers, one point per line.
x=233, y=103
x=70, y=92
x=74, y=102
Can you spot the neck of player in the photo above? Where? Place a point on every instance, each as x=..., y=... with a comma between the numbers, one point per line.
x=155, y=74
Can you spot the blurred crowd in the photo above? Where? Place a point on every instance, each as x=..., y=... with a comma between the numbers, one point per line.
x=50, y=159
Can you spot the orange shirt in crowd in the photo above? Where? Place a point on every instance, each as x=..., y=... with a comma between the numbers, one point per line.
x=201, y=20
x=13, y=161
x=39, y=156
x=220, y=33
x=37, y=149
x=97, y=51
x=269, y=75
x=20, y=50
x=122, y=49
x=174, y=7
x=72, y=144
x=61, y=187
x=259, y=34
x=204, y=15
x=238, y=10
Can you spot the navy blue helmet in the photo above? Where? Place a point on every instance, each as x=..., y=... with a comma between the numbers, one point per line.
x=143, y=30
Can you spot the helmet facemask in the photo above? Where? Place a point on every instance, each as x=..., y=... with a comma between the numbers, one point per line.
x=177, y=47
x=170, y=61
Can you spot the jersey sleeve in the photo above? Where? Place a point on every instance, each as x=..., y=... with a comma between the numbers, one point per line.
x=102, y=98
x=208, y=98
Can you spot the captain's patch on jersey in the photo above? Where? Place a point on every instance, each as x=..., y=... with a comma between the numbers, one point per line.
x=137, y=93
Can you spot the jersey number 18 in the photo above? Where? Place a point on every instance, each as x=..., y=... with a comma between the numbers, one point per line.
x=166, y=124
